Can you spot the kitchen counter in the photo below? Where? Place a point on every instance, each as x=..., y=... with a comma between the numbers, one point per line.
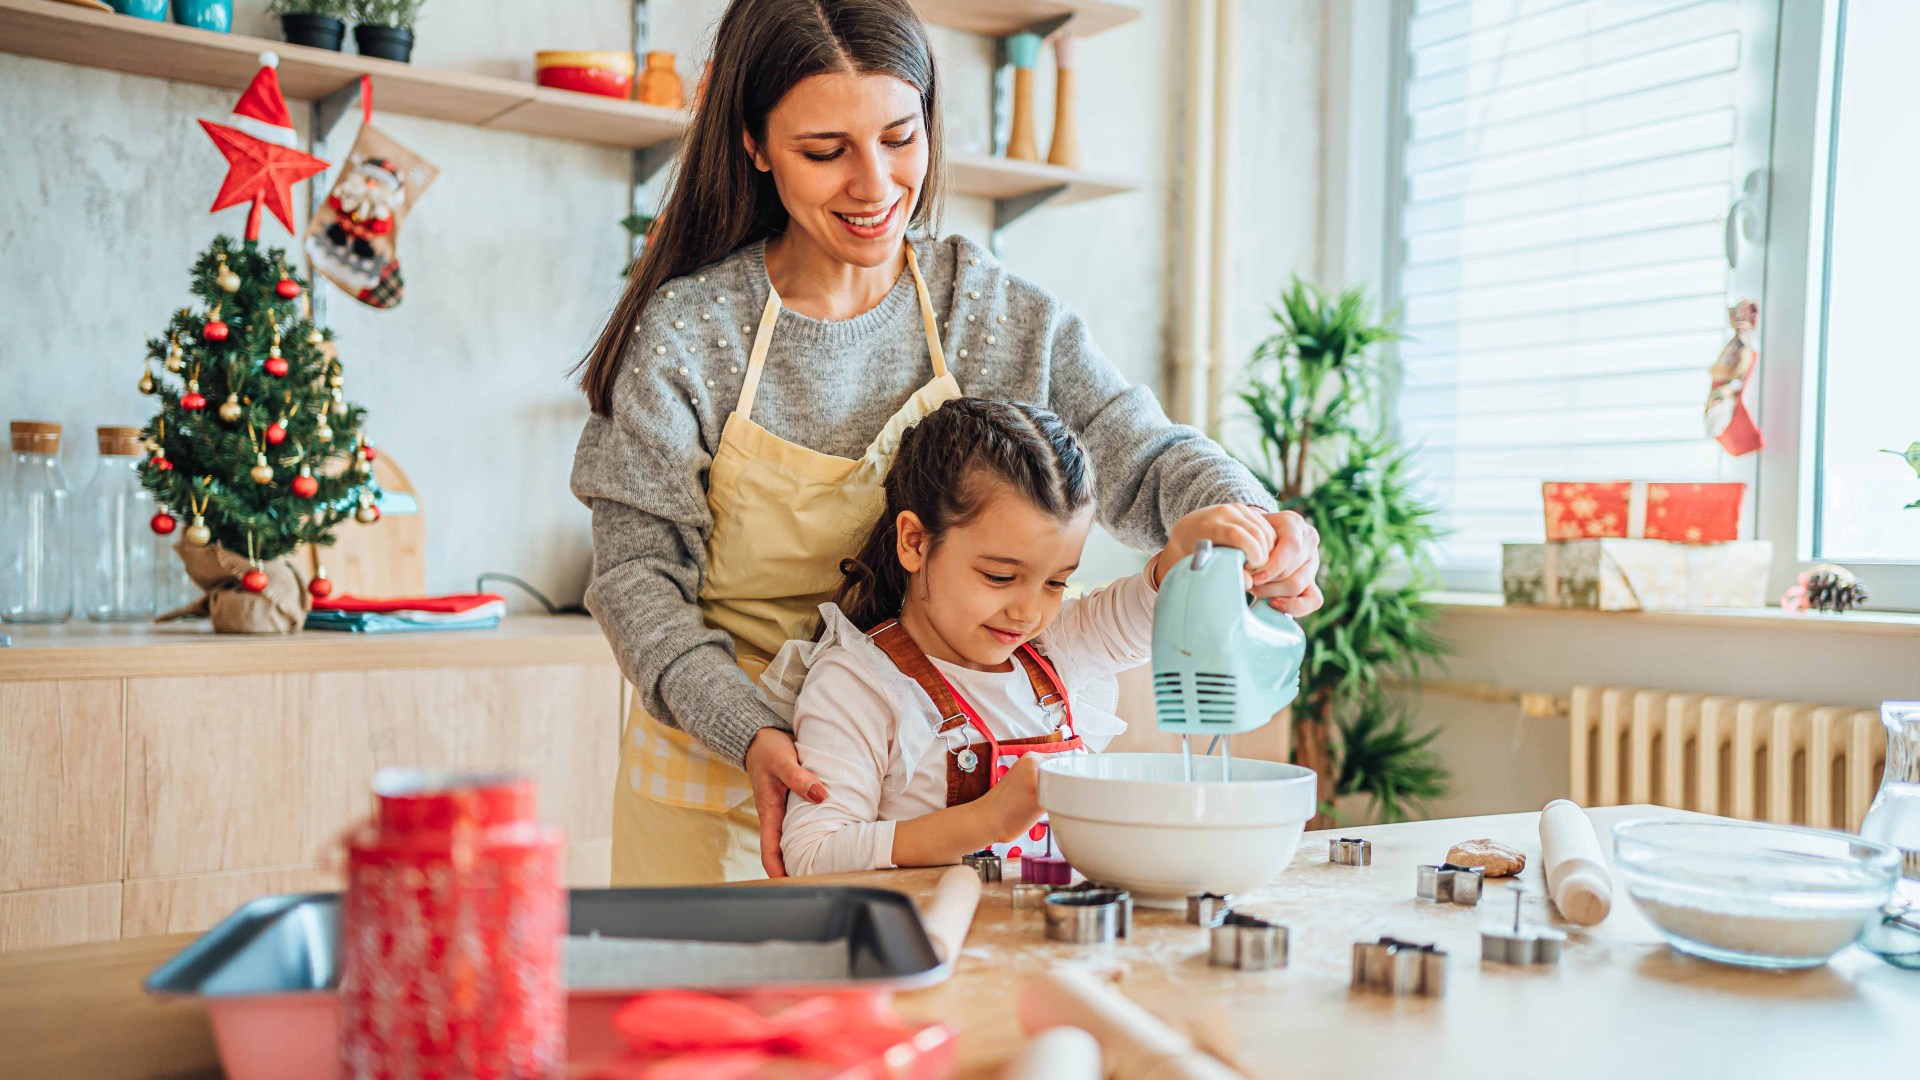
x=1619, y=1004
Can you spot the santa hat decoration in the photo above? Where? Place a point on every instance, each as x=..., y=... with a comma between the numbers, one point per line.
x=262, y=111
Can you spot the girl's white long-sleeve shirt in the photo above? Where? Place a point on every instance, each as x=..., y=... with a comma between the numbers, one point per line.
x=867, y=730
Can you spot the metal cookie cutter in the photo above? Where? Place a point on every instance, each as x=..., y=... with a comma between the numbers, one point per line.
x=1448, y=883
x=1209, y=909
x=1392, y=966
x=1030, y=896
x=1249, y=944
x=1535, y=945
x=985, y=863
x=1085, y=916
x=1344, y=851
x=1126, y=901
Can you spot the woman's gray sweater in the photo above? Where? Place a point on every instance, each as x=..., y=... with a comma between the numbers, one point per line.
x=831, y=386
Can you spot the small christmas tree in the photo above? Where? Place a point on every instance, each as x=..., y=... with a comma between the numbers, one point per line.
x=255, y=443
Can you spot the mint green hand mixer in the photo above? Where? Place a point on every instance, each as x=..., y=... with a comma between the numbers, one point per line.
x=1220, y=667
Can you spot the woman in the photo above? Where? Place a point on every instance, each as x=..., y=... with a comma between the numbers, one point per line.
x=775, y=339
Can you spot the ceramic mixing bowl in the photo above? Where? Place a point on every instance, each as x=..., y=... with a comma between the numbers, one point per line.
x=1135, y=822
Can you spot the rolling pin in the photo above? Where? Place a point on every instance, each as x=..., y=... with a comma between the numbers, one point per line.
x=949, y=913
x=1577, y=878
x=1134, y=1043
x=1062, y=1053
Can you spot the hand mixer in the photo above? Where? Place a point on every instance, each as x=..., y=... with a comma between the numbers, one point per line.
x=1220, y=667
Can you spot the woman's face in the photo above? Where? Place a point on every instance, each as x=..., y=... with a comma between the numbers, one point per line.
x=993, y=584
x=848, y=154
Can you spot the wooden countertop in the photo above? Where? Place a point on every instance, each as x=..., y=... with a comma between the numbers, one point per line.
x=1621, y=1004
x=84, y=650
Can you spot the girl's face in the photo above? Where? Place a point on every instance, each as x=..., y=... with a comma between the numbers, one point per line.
x=848, y=155
x=992, y=584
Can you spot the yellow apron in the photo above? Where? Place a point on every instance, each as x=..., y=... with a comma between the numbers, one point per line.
x=783, y=518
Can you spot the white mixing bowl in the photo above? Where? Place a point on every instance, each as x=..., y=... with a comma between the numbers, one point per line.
x=1133, y=821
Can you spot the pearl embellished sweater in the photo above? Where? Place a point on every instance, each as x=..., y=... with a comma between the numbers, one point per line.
x=831, y=386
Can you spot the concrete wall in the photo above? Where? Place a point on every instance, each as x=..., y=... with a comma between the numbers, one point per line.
x=512, y=258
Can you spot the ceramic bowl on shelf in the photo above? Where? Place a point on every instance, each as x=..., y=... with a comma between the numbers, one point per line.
x=1771, y=896
x=606, y=72
x=1135, y=822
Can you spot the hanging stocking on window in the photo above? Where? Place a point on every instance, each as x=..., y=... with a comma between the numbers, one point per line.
x=1727, y=418
x=354, y=240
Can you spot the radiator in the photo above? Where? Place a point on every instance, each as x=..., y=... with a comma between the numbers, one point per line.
x=1742, y=758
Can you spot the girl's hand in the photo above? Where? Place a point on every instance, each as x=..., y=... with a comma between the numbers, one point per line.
x=1011, y=807
x=1231, y=525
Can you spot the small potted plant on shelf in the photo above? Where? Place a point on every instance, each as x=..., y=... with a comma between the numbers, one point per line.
x=385, y=27
x=321, y=24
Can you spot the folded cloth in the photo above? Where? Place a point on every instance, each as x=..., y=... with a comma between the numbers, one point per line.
x=451, y=603
x=373, y=622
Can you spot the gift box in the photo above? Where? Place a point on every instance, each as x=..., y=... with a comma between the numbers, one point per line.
x=1643, y=510
x=687, y=1035
x=1636, y=575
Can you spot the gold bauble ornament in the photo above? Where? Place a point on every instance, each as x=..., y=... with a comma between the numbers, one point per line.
x=146, y=381
x=261, y=472
x=323, y=433
x=367, y=514
x=198, y=534
x=226, y=278
x=334, y=380
x=230, y=408
x=315, y=337
x=174, y=360
x=339, y=406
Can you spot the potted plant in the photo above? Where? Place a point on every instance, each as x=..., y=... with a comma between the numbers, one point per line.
x=318, y=23
x=385, y=27
x=1315, y=394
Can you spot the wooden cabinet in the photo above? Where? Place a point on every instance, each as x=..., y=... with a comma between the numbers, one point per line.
x=152, y=779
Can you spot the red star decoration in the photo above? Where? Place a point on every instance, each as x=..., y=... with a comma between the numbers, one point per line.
x=259, y=172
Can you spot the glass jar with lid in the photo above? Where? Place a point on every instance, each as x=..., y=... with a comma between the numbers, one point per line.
x=36, y=571
x=116, y=554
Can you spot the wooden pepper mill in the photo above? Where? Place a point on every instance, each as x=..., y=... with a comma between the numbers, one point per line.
x=1023, y=52
x=1066, y=131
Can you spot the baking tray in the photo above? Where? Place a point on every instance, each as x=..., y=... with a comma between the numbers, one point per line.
x=268, y=971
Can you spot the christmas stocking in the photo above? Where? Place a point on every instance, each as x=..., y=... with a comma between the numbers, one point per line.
x=354, y=240
x=1727, y=418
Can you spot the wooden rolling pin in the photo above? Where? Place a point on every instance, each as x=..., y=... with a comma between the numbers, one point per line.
x=1134, y=1043
x=1062, y=1053
x=949, y=913
x=1576, y=871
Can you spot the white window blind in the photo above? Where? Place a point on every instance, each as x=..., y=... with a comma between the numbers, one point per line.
x=1560, y=248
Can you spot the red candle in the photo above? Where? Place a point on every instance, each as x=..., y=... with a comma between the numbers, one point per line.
x=451, y=929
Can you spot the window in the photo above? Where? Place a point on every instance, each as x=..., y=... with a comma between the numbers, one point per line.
x=1559, y=245
x=1869, y=383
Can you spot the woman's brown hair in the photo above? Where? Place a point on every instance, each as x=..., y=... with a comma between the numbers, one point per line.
x=937, y=473
x=720, y=201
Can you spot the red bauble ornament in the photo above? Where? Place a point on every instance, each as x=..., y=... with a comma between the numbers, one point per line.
x=366, y=451
x=160, y=462
x=276, y=433
x=306, y=487
x=276, y=366
x=254, y=580
x=214, y=331
x=162, y=523
x=193, y=402
x=287, y=288
x=320, y=587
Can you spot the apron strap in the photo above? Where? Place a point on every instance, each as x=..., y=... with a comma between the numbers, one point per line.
x=757, y=356
x=906, y=655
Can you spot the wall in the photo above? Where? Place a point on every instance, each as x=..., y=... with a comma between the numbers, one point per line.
x=512, y=258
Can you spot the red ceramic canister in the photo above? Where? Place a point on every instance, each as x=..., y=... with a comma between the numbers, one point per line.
x=451, y=929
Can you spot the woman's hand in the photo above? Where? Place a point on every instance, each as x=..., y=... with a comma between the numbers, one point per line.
x=1229, y=525
x=773, y=766
x=1012, y=804
x=1286, y=578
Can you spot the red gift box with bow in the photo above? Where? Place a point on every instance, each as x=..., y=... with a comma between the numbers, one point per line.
x=687, y=1035
x=1643, y=510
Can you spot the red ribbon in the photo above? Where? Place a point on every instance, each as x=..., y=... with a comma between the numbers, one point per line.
x=685, y=1035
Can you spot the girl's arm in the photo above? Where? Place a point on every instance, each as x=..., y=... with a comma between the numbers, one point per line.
x=1110, y=629
x=1007, y=810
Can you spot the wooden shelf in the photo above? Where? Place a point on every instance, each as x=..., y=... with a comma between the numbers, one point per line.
x=49, y=30
x=999, y=18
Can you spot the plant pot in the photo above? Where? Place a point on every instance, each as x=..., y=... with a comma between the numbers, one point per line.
x=155, y=10
x=318, y=31
x=215, y=15
x=384, y=42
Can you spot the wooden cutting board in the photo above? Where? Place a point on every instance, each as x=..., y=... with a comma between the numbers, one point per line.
x=386, y=558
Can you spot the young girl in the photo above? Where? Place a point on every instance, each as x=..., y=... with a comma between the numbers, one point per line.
x=949, y=662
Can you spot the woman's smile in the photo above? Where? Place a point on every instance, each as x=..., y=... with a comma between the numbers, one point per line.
x=871, y=226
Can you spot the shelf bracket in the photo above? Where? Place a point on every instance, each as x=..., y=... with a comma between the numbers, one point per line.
x=327, y=114
x=649, y=160
x=1008, y=211
x=328, y=111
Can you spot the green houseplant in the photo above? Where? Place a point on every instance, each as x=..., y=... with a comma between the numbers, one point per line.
x=1314, y=393
x=321, y=24
x=385, y=27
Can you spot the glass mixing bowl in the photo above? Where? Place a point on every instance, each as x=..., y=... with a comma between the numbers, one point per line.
x=1773, y=896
